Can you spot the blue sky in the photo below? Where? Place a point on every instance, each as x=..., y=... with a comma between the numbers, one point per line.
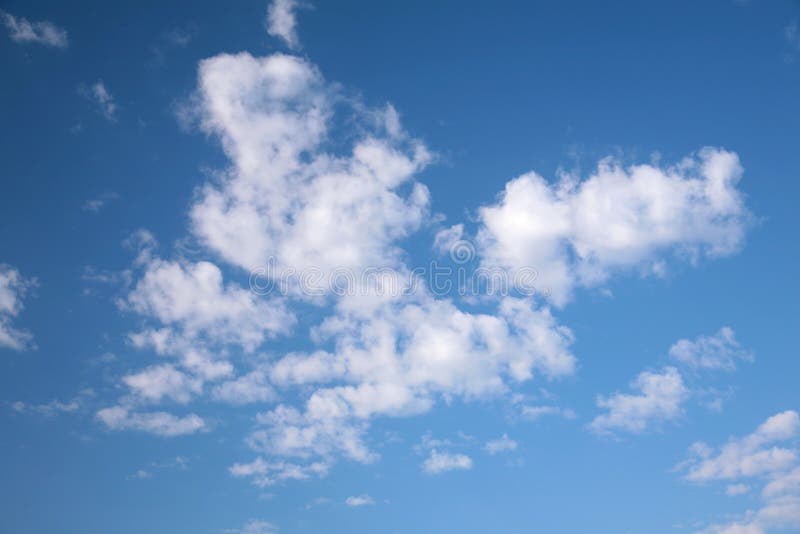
x=187, y=187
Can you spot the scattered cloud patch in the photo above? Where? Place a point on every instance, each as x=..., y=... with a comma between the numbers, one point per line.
x=45, y=33
x=254, y=527
x=102, y=99
x=439, y=462
x=98, y=203
x=735, y=490
x=263, y=473
x=54, y=407
x=534, y=413
x=792, y=35
x=360, y=500
x=282, y=22
x=159, y=423
x=660, y=398
x=768, y=455
x=720, y=351
x=13, y=288
x=500, y=445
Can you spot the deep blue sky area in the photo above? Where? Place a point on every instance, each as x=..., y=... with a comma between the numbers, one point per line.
x=494, y=90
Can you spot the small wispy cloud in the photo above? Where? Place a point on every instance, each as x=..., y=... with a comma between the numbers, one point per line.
x=359, y=500
x=499, y=445
x=253, y=527
x=96, y=204
x=46, y=33
x=792, y=35
x=439, y=462
x=281, y=22
x=175, y=38
x=98, y=94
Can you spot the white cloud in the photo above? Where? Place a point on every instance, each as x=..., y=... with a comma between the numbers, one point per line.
x=439, y=462
x=159, y=381
x=193, y=298
x=246, y=389
x=734, y=490
x=786, y=483
x=719, y=351
x=264, y=473
x=751, y=455
x=96, y=204
x=660, y=399
x=576, y=233
x=533, y=413
x=102, y=99
x=282, y=23
x=792, y=35
x=254, y=527
x=324, y=430
x=755, y=457
x=285, y=199
x=13, y=287
x=159, y=423
x=359, y=500
x=23, y=31
x=48, y=409
x=502, y=444
x=396, y=358
x=299, y=196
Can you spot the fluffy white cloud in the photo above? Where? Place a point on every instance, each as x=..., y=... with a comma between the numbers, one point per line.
x=439, y=462
x=660, y=399
x=719, y=351
x=755, y=456
x=23, y=31
x=578, y=232
x=13, y=287
x=193, y=298
x=285, y=199
x=359, y=500
x=281, y=22
x=159, y=423
x=324, y=430
x=502, y=444
x=159, y=381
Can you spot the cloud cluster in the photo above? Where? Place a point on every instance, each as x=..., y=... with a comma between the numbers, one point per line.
x=13, y=287
x=768, y=455
x=318, y=179
x=23, y=31
x=662, y=394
